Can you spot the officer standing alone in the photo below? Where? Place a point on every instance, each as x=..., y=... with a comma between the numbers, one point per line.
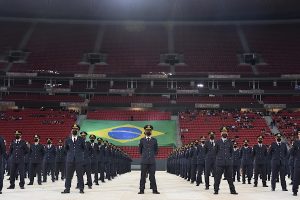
x=148, y=149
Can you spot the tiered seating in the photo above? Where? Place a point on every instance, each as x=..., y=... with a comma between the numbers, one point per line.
x=34, y=121
x=281, y=99
x=209, y=49
x=11, y=35
x=58, y=47
x=288, y=122
x=199, y=125
x=133, y=152
x=128, y=99
x=133, y=49
x=279, y=46
x=217, y=100
x=42, y=98
x=127, y=114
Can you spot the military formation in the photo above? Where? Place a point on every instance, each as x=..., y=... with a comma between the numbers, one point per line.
x=207, y=158
x=95, y=158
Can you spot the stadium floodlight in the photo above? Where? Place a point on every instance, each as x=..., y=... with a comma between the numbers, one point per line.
x=200, y=85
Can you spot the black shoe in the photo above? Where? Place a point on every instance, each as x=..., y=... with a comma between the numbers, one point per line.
x=265, y=185
x=77, y=187
x=65, y=191
x=22, y=187
x=141, y=192
x=244, y=182
x=239, y=180
x=206, y=188
x=86, y=184
x=197, y=184
x=295, y=194
x=40, y=183
x=284, y=189
x=233, y=192
x=1, y=193
x=273, y=189
x=81, y=191
x=255, y=185
x=216, y=192
x=90, y=187
x=30, y=184
x=155, y=192
x=96, y=183
x=249, y=182
x=11, y=187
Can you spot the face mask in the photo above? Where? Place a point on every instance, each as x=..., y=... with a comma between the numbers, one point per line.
x=224, y=135
x=74, y=132
x=148, y=133
x=259, y=141
x=92, y=141
x=278, y=139
x=212, y=137
x=36, y=140
x=18, y=137
x=245, y=145
x=49, y=142
x=234, y=146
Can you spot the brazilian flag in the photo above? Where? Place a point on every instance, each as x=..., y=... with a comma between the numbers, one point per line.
x=129, y=133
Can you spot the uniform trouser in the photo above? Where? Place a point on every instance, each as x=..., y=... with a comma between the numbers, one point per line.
x=148, y=168
x=193, y=172
x=247, y=170
x=260, y=169
x=268, y=170
x=87, y=170
x=14, y=169
x=35, y=170
x=277, y=169
x=107, y=169
x=60, y=167
x=1, y=174
x=200, y=169
x=227, y=170
x=236, y=172
x=291, y=168
x=209, y=168
x=296, y=180
x=101, y=167
x=71, y=167
x=49, y=166
x=94, y=170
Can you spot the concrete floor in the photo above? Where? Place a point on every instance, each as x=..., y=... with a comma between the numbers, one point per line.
x=125, y=187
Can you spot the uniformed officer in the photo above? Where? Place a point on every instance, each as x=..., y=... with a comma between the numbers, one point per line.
x=193, y=156
x=148, y=148
x=60, y=160
x=260, y=155
x=18, y=150
x=246, y=162
x=295, y=151
x=224, y=150
x=75, y=146
x=278, y=153
x=49, y=160
x=102, y=159
x=210, y=157
x=200, y=161
x=2, y=158
x=236, y=162
x=94, y=159
x=87, y=160
x=36, y=153
x=291, y=162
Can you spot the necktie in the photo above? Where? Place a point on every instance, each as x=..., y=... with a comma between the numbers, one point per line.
x=17, y=142
x=148, y=139
x=74, y=140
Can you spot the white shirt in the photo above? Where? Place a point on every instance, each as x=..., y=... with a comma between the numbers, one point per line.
x=74, y=137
